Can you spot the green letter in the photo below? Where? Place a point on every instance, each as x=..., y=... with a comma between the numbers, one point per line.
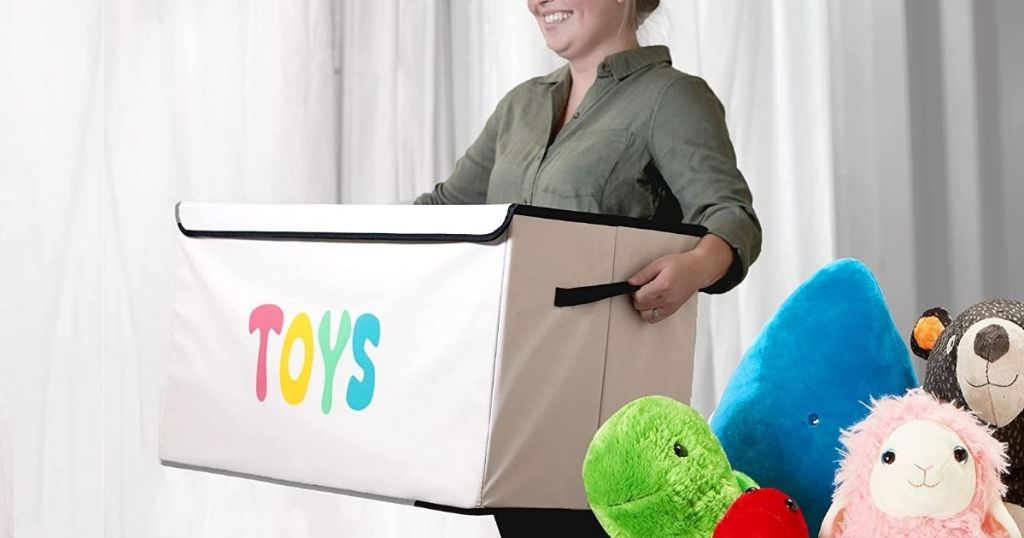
x=332, y=354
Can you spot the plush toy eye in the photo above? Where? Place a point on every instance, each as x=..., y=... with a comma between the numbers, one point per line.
x=960, y=454
x=751, y=489
x=950, y=345
x=681, y=450
x=888, y=457
x=813, y=419
x=791, y=504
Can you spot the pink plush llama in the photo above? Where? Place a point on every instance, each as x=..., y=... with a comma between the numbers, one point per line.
x=918, y=467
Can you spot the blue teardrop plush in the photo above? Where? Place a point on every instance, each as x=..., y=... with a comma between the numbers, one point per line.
x=830, y=348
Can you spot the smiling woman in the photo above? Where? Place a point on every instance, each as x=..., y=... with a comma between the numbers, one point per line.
x=616, y=131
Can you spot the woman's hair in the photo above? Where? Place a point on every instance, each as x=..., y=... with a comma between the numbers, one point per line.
x=641, y=9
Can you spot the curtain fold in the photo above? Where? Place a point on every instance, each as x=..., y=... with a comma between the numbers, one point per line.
x=395, y=99
x=111, y=112
x=927, y=148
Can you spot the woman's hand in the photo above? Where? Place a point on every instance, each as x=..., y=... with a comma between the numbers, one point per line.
x=668, y=282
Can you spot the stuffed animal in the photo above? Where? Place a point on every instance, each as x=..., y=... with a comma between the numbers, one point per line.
x=830, y=348
x=762, y=513
x=977, y=362
x=919, y=467
x=654, y=469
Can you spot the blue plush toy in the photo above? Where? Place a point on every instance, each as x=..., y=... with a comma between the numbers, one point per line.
x=830, y=348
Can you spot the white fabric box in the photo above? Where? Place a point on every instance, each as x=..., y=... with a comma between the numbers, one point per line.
x=458, y=384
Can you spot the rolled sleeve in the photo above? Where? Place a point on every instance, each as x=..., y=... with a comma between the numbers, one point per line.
x=691, y=148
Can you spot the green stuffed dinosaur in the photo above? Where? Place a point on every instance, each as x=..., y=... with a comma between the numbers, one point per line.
x=655, y=469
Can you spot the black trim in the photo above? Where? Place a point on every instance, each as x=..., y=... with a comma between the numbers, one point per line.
x=453, y=510
x=514, y=209
x=591, y=294
x=493, y=511
x=681, y=228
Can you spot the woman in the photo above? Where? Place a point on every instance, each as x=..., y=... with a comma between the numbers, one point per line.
x=616, y=131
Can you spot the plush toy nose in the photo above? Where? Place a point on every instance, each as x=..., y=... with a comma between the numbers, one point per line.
x=992, y=343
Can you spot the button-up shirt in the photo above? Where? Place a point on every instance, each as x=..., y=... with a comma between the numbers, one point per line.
x=647, y=141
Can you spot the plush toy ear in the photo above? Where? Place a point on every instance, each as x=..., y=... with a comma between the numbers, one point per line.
x=999, y=517
x=928, y=330
x=832, y=524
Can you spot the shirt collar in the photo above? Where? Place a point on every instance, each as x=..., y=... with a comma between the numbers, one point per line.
x=627, y=62
x=556, y=76
x=620, y=65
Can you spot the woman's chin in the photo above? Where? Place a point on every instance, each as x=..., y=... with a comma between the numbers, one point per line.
x=559, y=47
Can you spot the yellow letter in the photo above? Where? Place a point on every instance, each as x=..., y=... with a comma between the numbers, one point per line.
x=294, y=390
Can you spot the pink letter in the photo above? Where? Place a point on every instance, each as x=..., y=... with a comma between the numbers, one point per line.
x=266, y=318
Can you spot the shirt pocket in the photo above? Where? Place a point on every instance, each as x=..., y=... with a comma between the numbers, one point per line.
x=579, y=172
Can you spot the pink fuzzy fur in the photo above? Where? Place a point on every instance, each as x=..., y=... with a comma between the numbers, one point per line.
x=862, y=519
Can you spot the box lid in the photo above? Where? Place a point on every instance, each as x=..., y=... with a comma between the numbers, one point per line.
x=420, y=223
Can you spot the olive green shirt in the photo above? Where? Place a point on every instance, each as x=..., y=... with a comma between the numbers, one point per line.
x=647, y=141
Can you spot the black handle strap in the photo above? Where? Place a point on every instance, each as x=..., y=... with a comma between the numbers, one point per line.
x=591, y=294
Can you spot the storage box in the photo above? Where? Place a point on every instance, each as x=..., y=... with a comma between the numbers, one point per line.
x=413, y=353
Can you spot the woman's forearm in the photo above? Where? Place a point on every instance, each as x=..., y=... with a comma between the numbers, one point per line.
x=714, y=256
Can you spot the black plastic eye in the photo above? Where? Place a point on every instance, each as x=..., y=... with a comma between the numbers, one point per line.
x=791, y=504
x=960, y=454
x=681, y=451
x=813, y=419
x=751, y=489
x=888, y=457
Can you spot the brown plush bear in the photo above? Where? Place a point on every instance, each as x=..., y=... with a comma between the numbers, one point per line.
x=976, y=361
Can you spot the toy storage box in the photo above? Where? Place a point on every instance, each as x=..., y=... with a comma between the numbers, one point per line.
x=413, y=353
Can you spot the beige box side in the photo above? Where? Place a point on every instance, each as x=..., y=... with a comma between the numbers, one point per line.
x=549, y=366
x=645, y=358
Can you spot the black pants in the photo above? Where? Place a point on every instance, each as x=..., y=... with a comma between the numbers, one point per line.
x=516, y=522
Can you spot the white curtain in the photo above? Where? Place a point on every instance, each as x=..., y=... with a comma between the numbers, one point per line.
x=848, y=118
x=928, y=131
x=111, y=111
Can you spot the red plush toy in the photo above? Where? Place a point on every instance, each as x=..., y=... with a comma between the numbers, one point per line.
x=762, y=513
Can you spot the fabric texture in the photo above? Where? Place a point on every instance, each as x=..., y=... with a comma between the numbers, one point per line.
x=863, y=444
x=830, y=348
x=654, y=470
x=648, y=141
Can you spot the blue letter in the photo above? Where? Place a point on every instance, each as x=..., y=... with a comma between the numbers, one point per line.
x=360, y=393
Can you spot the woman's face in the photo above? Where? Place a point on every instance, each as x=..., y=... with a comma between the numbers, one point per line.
x=575, y=28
